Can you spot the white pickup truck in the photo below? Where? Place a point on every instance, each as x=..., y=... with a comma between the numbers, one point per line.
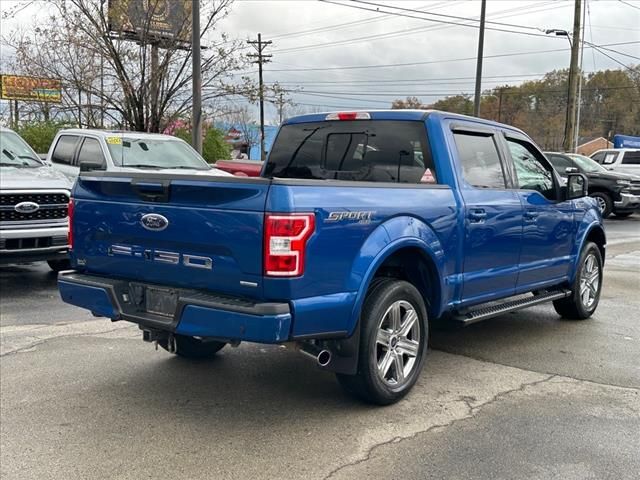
x=34, y=202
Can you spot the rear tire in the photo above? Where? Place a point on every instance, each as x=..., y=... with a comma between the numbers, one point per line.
x=585, y=292
x=393, y=343
x=191, y=347
x=59, y=265
x=604, y=203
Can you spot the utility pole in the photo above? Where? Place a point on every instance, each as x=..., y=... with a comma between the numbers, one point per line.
x=196, y=114
x=476, y=100
x=501, y=91
x=259, y=45
x=280, y=107
x=577, y=133
x=574, y=72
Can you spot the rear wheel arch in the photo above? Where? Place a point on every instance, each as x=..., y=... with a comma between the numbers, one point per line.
x=389, y=264
x=415, y=266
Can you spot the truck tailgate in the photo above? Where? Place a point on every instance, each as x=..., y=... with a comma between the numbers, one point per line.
x=202, y=233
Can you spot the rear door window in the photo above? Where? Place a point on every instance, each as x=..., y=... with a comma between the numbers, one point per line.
x=360, y=150
x=64, y=149
x=631, y=158
x=479, y=159
x=90, y=151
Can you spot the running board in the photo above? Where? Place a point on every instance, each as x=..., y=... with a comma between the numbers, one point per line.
x=483, y=313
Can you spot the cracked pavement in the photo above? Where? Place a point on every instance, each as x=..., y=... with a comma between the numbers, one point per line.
x=525, y=395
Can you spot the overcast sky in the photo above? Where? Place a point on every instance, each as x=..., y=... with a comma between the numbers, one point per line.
x=314, y=41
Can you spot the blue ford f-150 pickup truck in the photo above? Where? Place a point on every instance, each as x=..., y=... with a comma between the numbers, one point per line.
x=363, y=228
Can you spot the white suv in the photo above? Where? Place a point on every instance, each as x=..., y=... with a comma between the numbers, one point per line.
x=625, y=160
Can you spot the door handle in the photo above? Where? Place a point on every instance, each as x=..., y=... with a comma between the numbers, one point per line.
x=477, y=215
x=530, y=215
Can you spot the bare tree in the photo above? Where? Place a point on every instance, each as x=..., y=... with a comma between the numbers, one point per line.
x=102, y=72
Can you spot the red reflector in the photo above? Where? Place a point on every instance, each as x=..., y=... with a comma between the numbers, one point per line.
x=70, y=215
x=285, y=240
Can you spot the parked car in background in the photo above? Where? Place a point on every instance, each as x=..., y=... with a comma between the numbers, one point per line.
x=124, y=151
x=241, y=168
x=34, y=201
x=625, y=160
x=617, y=193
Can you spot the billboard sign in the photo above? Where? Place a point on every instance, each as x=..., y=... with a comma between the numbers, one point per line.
x=31, y=89
x=151, y=21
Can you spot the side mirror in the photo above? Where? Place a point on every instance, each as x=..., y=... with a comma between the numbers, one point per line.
x=92, y=166
x=577, y=186
x=571, y=170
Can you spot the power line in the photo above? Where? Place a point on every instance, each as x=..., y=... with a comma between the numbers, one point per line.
x=596, y=47
x=397, y=33
x=444, y=15
x=434, y=20
x=614, y=59
x=328, y=28
x=360, y=67
x=629, y=5
x=449, y=93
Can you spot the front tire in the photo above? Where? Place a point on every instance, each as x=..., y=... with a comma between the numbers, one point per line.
x=393, y=343
x=605, y=204
x=191, y=347
x=585, y=292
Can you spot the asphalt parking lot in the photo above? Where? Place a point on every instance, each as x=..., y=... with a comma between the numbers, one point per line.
x=526, y=395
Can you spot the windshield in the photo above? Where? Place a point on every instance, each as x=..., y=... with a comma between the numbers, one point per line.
x=16, y=152
x=586, y=164
x=154, y=153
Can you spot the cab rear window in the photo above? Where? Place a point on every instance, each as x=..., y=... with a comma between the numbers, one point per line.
x=361, y=150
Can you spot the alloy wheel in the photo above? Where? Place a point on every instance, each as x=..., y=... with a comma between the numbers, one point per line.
x=589, y=281
x=397, y=343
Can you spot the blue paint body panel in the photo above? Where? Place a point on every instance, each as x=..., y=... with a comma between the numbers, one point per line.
x=95, y=299
x=222, y=220
x=209, y=322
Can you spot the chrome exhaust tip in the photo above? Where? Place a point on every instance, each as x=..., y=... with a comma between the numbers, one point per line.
x=324, y=358
x=172, y=346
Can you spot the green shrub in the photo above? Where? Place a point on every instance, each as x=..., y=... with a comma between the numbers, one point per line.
x=40, y=134
x=214, y=147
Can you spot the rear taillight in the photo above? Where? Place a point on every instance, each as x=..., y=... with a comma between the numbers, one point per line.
x=70, y=214
x=285, y=241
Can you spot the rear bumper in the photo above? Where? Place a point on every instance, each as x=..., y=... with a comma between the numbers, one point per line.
x=196, y=313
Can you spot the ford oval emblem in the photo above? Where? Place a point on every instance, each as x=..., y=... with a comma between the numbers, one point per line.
x=154, y=222
x=27, y=207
